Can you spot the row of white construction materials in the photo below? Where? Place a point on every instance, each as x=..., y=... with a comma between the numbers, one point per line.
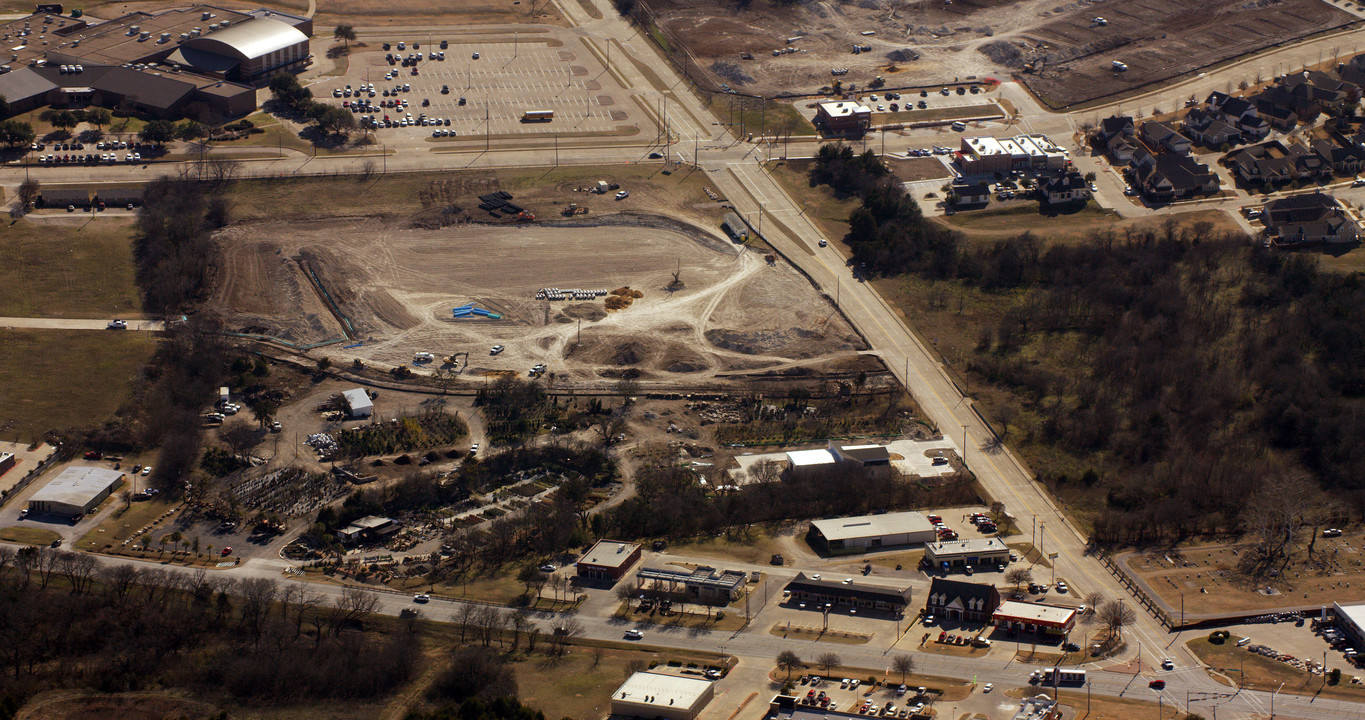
x=568, y=294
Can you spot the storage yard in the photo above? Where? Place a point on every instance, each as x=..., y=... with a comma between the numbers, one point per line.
x=384, y=292
x=934, y=42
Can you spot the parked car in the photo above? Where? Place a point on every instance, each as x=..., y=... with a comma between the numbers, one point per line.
x=1157, y=684
x=634, y=635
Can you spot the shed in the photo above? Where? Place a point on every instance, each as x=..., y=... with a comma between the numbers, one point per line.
x=358, y=403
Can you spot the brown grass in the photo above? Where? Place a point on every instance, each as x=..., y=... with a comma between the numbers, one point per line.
x=65, y=379
x=65, y=270
x=1257, y=672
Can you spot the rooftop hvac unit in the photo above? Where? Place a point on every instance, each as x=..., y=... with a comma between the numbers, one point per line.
x=206, y=15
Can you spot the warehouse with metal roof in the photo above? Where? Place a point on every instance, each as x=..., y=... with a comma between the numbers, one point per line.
x=76, y=491
x=870, y=532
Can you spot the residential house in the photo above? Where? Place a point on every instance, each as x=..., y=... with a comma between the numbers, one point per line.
x=1209, y=129
x=1305, y=219
x=1117, y=136
x=1065, y=188
x=969, y=194
x=1275, y=162
x=1342, y=155
x=1241, y=114
x=1172, y=177
x=965, y=602
x=1159, y=135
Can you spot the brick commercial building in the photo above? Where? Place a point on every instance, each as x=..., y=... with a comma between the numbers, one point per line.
x=607, y=560
x=964, y=602
x=843, y=118
x=1035, y=617
x=816, y=594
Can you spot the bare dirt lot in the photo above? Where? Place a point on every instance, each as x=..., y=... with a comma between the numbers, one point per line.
x=1159, y=40
x=1210, y=580
x=927, y=41
x=396, y=286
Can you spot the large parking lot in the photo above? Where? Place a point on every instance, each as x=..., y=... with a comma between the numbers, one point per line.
x=497, y=79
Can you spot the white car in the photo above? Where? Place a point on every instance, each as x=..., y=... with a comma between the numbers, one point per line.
x=474, y=449
x=147, y=470
x=421, y=598
x=496, y=349
x=987, y=687
x=634, y=635
x=1061, y=586
x=623, y=195
x=117, y=325
x=1167, y=664
x=824, y=242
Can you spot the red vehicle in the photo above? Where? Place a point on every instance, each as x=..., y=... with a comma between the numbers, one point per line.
x=227, y=551
x=935, y=518
x=1157, y=684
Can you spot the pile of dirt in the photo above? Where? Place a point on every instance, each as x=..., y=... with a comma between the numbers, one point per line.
x=622, y=297
x=629, y=354
x=731, y=72
x=581, y=311
x=904, y=55
x=1003, y=52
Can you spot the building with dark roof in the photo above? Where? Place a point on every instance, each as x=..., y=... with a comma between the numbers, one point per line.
x=1171, y=177
x=58, y=198
x=119, y=196
x=843, y=118
x=1308, y=218
x=161, y=63
x=1065, y=189
x=816, y=594
x=1159, y=135
x=1118, y=136
x=958, y=601
x=965, y=194
x=1342, y=155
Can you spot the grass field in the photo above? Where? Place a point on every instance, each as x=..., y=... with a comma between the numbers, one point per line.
x=57, y=269
x=933, y=114
x=826, y=210
x=1032, y=216
x=401, y=194
x=1257, y=672
x=53, y=379
x=28, y=535
x=120, y=524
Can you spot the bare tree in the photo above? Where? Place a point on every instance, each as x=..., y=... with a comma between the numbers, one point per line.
x=80, y=569
x=1115, y=616
x=788, y=660
x=903, y=664
x=352, y=608
x=1018, y=576
x=828, y=660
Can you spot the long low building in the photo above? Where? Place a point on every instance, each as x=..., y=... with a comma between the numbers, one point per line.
x=870, y=532
x=703, y=584
x=655, y=695
x=1351, y=620
x=966, y=553
x=856, y=595
x=1035, y=617
x=76, y=491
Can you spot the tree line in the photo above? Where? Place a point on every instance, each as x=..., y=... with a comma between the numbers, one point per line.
x=67, y=622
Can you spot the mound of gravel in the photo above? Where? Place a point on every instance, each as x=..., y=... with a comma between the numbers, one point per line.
x=903, y=55
x=731, y=72
x=1003, y=52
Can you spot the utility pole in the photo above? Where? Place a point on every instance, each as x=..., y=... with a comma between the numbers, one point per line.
x=556, y=149
x=964, y=444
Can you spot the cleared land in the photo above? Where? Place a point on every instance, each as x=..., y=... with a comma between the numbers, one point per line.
x=58, y=379
x=1210, y=579
x=1158, y=40
x=68, y=269
x=395, y=286
x=930, y=42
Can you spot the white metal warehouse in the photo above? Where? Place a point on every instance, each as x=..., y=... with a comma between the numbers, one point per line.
x=655, y=695
x=76, y=491
x=871, y=531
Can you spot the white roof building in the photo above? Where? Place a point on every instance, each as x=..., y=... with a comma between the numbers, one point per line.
x=655, y=695
x=1036, y=617
x=76, y=491
x=808, y=458
x=358, y=403
x=872, y=531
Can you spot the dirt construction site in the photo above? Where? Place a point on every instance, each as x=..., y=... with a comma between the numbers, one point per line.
x=1067, y=47
x=381, y=291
